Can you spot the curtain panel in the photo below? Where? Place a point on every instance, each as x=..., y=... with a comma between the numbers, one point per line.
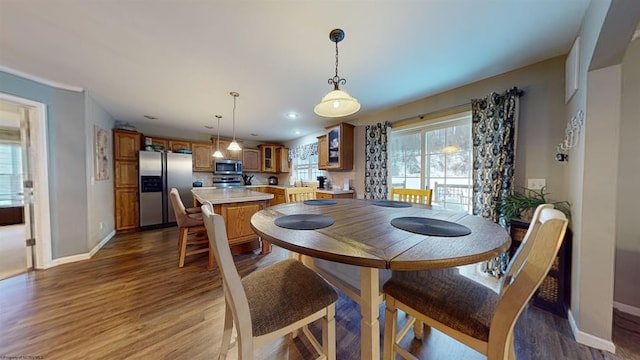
x=376, y=161
x=302, y=152
x=494, y=121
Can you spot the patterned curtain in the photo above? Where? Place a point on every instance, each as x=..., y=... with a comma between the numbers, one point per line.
x=376, y=161
x=302, y=152
x=494, y=121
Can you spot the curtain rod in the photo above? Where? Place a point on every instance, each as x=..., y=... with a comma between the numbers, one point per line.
x=515, y=89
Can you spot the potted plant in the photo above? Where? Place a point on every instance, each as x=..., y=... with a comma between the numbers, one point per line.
x=522, y=203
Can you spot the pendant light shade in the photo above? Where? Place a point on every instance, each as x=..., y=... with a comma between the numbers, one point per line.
x=218, y=154
x=234, y=144
x=337, y=103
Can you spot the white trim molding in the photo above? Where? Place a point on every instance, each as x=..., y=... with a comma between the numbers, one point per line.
x=40, y=80
x=85, y=256
x=629, y=309
x=588, y=339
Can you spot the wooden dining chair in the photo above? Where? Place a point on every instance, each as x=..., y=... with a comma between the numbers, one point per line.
x=192, y=235
x=465, y=309
x=416, y=196
x=299, y=193
x=270, y=302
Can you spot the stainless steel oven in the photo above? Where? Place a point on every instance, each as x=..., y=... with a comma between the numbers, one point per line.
x=227, y=167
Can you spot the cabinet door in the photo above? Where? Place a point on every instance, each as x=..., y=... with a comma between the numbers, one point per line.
x=320, y=195
x=282, y=160
x=323, y=152
x=202, y=157
x=160, y=141
x=237, y=218
x=340, y=144
x=268, y=158
x=126, y=209
x=179, y=144
x=126, y=174
x=251, y=160
x=126, y=145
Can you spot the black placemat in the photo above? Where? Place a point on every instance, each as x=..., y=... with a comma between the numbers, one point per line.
x=392, y=203
x=428, y=226
x=304, y=221
x=320, y=202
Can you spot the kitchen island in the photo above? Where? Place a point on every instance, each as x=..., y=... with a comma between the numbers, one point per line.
x=236, y=206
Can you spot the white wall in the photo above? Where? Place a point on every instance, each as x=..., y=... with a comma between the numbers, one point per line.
x=627, y=291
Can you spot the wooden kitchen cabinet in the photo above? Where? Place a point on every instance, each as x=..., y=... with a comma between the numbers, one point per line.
x=161, y=142
x=340, y=147
x=268, y=159
x=321, y=195
x=278, y=195
x=179, y=144
x=126, y=145
x=251, y=160
x=125, y=153
x=282, y=160
x=202, y=156
x=323, y=153
x=126, y=209
x=237, y=218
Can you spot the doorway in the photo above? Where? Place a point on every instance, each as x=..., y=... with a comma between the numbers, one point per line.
x=24, y=191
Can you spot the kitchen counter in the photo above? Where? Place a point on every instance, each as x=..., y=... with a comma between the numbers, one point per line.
x=236, y=206
x=227, y=196
x=324, y=191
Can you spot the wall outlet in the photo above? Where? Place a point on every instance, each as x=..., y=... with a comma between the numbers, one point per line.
x=536, y=184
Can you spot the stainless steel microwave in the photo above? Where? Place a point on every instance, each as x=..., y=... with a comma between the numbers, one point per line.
x=227, y=167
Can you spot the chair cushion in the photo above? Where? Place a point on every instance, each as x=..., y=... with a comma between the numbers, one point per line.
x=193, y=210
x=283, y=294
x=191, y=220
x=448, y=297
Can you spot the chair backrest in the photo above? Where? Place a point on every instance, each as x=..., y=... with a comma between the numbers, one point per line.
x=525, y=273
x=178, y=207
x=416, y=196
x=300, y=193
x=234, y=293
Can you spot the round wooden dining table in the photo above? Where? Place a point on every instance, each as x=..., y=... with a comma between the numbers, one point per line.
x=361, y=234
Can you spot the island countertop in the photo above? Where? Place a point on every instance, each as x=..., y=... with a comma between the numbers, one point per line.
x=226, y=196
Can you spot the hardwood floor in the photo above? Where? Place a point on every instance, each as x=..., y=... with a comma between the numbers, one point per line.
x=131, y=301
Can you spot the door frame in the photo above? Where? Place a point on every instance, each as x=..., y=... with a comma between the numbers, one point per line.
x=38, y=162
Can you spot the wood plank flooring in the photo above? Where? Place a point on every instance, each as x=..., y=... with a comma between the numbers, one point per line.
x=131, y=301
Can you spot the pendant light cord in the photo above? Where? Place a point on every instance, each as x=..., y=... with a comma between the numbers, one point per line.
x=218, y=143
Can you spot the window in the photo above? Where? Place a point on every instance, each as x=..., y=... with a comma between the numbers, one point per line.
x=10, y=172
x=436, y=155
x=307, y=169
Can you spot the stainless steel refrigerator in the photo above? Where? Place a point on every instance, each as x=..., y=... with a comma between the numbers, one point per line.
x=159, y=172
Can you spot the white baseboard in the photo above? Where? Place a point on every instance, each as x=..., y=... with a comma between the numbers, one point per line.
x=85, y=256
x=588, y=339
x=102, y=243
x=629, y=309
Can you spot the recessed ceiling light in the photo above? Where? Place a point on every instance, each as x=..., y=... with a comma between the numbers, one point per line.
x=252, y=134
x=208, y=126
x=297, y=132
x=150, y=117
x=291, y=115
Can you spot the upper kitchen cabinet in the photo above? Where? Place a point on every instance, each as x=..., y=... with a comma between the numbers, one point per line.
x=340, y=147
x=251, y=160
x=323, y=153
x=126, y=144
x=202, y=156
x=179, y=144
x=268, y=158
x=282, y=160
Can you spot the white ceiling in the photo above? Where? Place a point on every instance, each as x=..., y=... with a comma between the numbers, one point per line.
x=178, y=60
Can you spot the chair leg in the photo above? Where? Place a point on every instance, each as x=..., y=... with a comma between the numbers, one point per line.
x=184, y=232
x=329, y=333
x=212, y=261
x=418, y=329
x=390, y=329
x=226, y=333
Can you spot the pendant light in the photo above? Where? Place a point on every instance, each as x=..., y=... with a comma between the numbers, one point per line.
x=234, y=145
x=337, y=103
x=218, y=154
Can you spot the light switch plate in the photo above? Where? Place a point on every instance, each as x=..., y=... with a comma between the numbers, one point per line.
x=536, y=184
